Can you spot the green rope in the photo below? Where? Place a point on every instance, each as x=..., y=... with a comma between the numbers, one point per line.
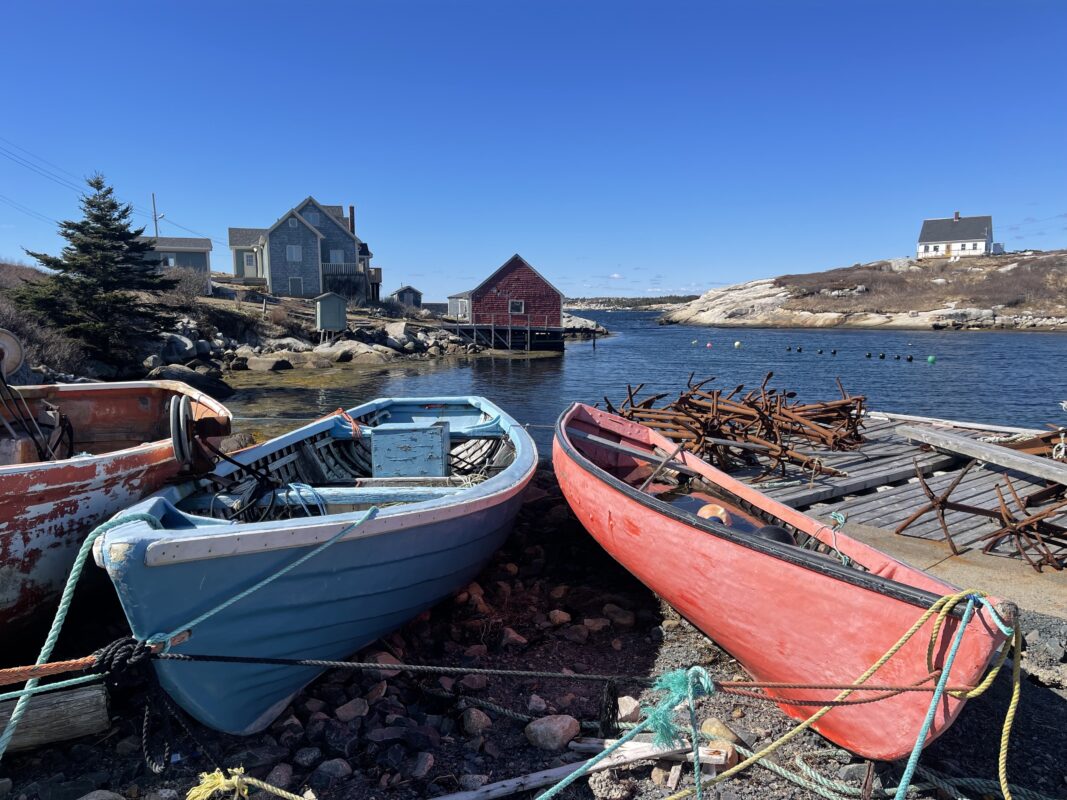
x=61, y=616
x=680, y=685
x=935, y=700
x=165, y=638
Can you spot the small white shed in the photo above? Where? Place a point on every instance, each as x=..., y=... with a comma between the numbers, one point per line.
x=331, y=312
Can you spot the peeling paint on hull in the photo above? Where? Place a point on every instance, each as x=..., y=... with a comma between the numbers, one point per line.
x=47, y=508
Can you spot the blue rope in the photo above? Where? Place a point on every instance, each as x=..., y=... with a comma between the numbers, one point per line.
x=680, y=685
x=61, y=616
x=913, y=759
x=48, y=687
x=164, y=639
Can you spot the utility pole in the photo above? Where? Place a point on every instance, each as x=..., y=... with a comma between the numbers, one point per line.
x=155, y=217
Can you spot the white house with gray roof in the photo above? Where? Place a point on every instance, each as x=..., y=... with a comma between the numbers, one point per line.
x=311, y=249
x=956, y=236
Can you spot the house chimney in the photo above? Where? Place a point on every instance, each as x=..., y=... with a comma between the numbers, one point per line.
x=352, y=219
x=956, y=217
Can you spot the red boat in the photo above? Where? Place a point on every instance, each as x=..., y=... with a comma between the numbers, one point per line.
x=72, y=456
x=791, y=599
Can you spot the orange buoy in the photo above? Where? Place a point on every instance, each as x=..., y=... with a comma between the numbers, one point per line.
x=714, y=511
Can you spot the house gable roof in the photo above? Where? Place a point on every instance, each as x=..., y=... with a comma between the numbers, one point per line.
x=329, y=215
x=515, y=260
x=187, y=243
x=293, y=213
x=406, y=289
x=245, y=237
x=954, y=230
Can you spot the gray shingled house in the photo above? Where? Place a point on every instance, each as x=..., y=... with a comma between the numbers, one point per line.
x=311, y=249
x=183, y=251
x=956, y=236
x=407, y=296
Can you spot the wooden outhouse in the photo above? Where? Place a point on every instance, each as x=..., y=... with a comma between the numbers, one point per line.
x=331, y=312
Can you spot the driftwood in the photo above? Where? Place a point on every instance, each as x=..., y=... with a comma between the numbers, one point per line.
x=713, y=755
x=58, y=716
x=639, y=752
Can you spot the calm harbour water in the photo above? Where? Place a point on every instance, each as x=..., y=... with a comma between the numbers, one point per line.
x=1001, y=378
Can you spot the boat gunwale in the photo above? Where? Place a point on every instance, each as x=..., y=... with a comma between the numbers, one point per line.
x=792, y=554
x=182, y=545
x=216, y=408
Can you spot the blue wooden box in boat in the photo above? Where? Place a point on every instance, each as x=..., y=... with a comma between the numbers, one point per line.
x=430, y=537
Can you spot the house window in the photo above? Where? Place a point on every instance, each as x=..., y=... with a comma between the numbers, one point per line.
x=974, y=245
x=937, y=247
x=516, y=306
x=926, y=248
x=312, y=217
x=294, y=252
x=168, y=259
x=250, y=260
x=337, y=256
x=296, y=287
x=292, y=222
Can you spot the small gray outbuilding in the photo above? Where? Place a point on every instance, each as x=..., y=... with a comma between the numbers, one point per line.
x=331, y=312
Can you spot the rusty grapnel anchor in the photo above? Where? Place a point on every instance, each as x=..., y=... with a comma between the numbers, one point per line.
x=733, y=429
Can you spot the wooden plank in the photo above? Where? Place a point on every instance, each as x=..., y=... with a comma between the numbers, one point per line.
x=805, y=497
x=990, y=453
x=951, y=423
x=59, y=716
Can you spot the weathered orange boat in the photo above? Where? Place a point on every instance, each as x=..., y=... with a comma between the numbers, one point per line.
x=73, y=455
x=793, y=600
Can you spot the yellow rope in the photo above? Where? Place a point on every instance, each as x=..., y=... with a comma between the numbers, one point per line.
x=236, y=782
x=942, y=607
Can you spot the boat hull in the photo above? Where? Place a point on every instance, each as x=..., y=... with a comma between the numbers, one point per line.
x=368, y=581
x=343, y=599
x=783, y=620
x=47, y=508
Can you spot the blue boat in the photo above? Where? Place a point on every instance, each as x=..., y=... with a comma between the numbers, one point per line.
x=446, y=477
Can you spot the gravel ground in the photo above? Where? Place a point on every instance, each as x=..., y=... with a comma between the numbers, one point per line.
x=551, y=600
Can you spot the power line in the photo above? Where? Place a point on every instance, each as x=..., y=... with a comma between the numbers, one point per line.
x=42, y=160
x=44, y=173
x=27, y=210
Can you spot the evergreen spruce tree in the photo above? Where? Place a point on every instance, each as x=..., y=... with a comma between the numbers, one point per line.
x=102, y=286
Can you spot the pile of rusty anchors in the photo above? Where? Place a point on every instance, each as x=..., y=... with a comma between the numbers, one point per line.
x=731, y=429
x=1029, y=531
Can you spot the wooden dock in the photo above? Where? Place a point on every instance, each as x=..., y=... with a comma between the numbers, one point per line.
x=881, y=487
x=508, y=337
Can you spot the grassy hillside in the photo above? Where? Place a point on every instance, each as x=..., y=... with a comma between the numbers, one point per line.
x=1035, y=284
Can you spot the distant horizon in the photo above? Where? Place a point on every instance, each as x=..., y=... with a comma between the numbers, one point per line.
x=621, y=149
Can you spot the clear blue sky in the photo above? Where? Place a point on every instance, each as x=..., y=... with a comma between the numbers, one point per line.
x=620, y=147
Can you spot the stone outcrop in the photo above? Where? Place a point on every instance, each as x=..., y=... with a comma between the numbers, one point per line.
x=207, y=384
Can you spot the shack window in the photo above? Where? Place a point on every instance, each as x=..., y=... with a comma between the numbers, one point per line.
x=516, y=306
x=293, y=252
x=167, y=259
x=250, y=260
x=292, y=222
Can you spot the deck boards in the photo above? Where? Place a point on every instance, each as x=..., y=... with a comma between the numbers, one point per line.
x=880, y=487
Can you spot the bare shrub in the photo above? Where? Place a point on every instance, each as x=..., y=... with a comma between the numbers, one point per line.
x=188, y=289
x=278, y=315
x=43, y=346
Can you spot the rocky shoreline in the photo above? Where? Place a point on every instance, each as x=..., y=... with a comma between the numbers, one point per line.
x=1011, y=292
x=551, y=600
